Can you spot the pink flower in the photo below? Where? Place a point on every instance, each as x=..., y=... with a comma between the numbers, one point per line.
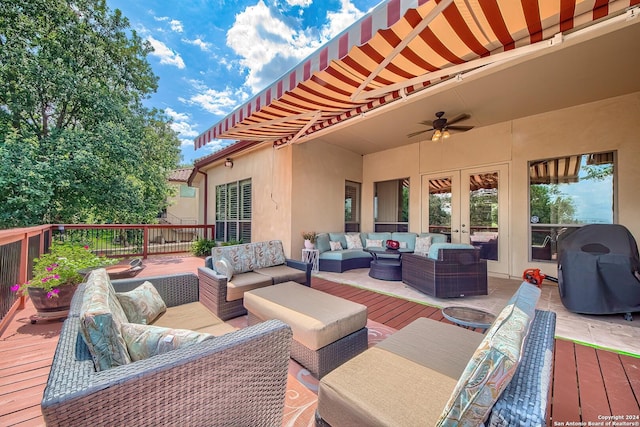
x=15, y=288
x=53, y=293
x=56, y=276
x=86, y=247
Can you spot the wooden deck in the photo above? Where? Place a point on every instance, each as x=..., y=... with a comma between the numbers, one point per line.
x=588, y=384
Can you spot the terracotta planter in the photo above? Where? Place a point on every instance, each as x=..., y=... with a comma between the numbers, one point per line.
x=51, y=308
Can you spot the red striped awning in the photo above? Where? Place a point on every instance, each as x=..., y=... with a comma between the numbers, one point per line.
x=400, y=48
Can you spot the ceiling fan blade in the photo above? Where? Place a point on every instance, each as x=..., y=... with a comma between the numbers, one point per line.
x=427, y=123
x=411, y=135
x=459, y=118
x=460, y=128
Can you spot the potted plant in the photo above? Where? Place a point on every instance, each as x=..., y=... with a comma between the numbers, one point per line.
x=309, y=239
x=57, y=274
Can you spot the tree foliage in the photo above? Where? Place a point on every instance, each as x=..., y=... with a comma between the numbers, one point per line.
x=76, y=144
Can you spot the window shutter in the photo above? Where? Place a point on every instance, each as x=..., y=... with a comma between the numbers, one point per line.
x=245, y=210
x=232, y=212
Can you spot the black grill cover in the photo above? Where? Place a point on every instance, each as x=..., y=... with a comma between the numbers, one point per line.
x=598, y=270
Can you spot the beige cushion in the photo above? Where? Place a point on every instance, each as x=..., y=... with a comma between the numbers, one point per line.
x=193, y=316
x=380, y=388
x=283, y=273
x=335, y=246
x=244, y=282
x=316, y=318
x=415, y=342
x=403, y=380
x=423, y=244
x=143, y=304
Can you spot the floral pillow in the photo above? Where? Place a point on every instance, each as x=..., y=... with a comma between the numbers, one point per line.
x=335, y=246
x=353, y=241
x=144, y=341
x=143, y=304
x=422, y=245
x=224, y=267
x=372, y=243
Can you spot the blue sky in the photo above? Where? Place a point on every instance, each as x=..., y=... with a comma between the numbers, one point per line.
x=213, y=55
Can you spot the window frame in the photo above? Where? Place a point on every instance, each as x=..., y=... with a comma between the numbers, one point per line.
x=234, y=211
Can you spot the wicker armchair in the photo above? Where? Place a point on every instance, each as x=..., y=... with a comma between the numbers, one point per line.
x=455, y=273
x=236, y=379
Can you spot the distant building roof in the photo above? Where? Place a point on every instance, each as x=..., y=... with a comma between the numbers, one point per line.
x=181, y=175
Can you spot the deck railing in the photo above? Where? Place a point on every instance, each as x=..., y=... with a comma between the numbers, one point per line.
x=20, y=246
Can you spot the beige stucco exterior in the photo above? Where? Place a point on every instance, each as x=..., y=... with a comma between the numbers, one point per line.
x=183, y=209
x=301, y=187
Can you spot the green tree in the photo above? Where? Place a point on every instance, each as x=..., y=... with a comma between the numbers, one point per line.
x=75, y=142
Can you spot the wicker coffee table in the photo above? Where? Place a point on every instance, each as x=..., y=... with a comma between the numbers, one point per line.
x=386, y=268
x=468, y=317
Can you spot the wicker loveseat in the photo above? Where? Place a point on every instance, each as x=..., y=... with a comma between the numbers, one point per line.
x=448, y=270
x=238, y=378
x=253, y=266
x=438, y=374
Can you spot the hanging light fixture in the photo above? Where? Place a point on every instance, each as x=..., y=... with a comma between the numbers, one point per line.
x=436, y=135
x=228, y=163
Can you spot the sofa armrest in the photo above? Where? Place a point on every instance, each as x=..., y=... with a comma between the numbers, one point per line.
x=526, y=396
x=175, y=289
x=301, y=265
x=196, y=383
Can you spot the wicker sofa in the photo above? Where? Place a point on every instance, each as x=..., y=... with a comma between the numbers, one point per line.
x=438, y=374
x=343, y=259
x=235, y=379
x=448, y=270
x=252, y=266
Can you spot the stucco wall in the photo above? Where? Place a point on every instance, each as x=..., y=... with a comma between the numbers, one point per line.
x=320, y=171
x=270, y=173
x=184, y=208
x=601, y=126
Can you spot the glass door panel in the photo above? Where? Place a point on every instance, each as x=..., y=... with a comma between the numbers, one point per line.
x=470, y=206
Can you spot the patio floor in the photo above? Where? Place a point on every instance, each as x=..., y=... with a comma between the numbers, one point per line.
x=588, y=383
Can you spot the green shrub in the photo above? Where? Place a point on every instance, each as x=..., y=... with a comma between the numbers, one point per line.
x=202, y=247
x=231, y=243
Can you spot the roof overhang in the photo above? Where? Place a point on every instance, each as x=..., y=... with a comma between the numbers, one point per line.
x=404, y=49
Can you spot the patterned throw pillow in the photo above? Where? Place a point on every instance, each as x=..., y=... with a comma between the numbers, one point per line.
x=494, y=362
x=144, y=341
x=372, y=243
x=224, y=267
x=335, y=246
x=143, y=304
x=422, y=245
x=353, y=241
x=100, y=318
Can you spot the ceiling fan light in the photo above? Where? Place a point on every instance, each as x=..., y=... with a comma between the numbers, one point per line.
x=436, y=135
x=445, y=134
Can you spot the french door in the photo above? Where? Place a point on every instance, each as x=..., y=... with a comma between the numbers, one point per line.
x=471, y=206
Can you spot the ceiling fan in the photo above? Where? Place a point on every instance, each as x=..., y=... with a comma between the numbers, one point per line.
x=442, y=126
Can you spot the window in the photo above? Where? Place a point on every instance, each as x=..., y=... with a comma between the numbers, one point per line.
x=566, y=193
x=233, y=211
x=391, y=205
x=187, y=192
x=351, y=206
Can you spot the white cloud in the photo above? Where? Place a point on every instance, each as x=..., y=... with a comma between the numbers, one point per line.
x=269, y=46
x=216, y=102
x=204, y=46
x=176, y=26
x=301, y=3
x=166, y=55
x=340, y=20
x=180, y=124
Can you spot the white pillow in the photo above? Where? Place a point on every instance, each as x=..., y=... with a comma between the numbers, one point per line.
x=335, y=246
x=353, y=241
x=422, y=245
x=403, y=245
x=374, y=243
